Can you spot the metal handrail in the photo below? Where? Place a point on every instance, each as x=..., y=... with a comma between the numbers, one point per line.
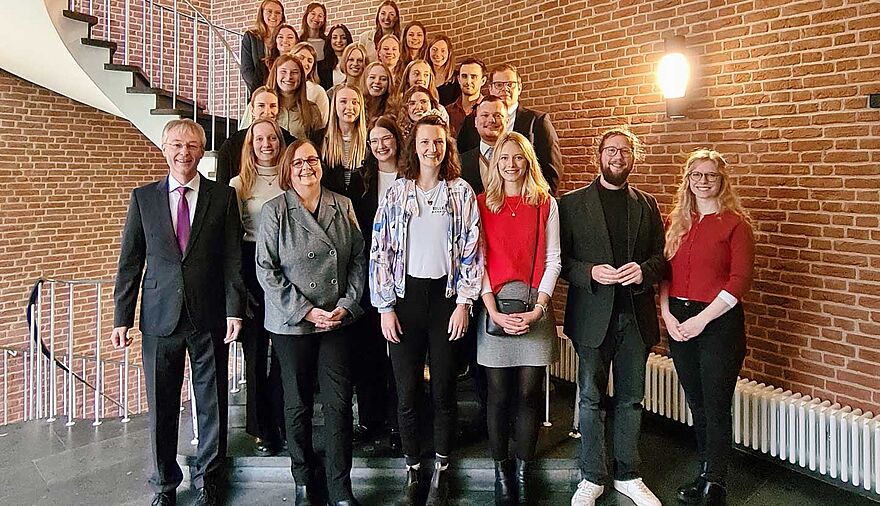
x=217, y=29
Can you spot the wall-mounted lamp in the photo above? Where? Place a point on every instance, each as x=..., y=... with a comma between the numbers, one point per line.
x=673, y=76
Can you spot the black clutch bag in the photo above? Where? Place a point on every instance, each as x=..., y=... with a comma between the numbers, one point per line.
x=512, y=306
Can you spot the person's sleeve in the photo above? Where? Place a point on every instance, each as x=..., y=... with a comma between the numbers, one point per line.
x=248, y=68
x=654, y=267
x=575, y=271
x=132, y=256
x=548, y=151
x=553, y=256
x=742, y=261
x=356, y=269
x=235, y=291
x=224, y=162
x=381, y=278
x=471, y=279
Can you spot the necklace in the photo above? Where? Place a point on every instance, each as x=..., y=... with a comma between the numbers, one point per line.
x=430, y=195
x=268, y=178
x=512, y=209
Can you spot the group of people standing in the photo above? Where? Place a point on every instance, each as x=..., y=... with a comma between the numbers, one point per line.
x=350, y=238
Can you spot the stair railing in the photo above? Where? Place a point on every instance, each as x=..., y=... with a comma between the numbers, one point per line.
x=178, y=49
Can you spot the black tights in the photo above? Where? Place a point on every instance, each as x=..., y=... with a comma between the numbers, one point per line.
x=504, y=405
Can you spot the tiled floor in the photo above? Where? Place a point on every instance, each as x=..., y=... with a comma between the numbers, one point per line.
x=50, y=464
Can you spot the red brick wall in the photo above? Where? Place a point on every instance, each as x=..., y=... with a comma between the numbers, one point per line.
x=67, y=171
x=782, y=92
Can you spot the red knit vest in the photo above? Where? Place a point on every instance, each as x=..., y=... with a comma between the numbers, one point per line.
x=510, y=241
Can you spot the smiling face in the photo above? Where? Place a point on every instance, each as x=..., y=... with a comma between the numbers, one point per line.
x=430, y=146
x=338, y=40
x=415, y=39
x=419, y=74
x=305, y=168
x=439, y=53
x=377, y=81
x=382, y=144
x=616, y=167
x=418, y=104
x=491, y=121
x=705, y=180
x=348, y=105
x=273, y=15
x=266, y=144
x=265, y=106
x=316, y=19
x=285, y=40
x=505, y=85
x=183, y=149
x=389, y=53
x=512, y=163
x=471, y=79
x=387, y=17
x=354, y=65
x=305, y=57
x=288, y=77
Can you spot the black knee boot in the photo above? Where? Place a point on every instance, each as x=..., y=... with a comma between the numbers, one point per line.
x=504, y=485
x=523, y=487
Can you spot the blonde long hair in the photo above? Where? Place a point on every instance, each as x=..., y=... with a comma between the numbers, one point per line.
x=248, y=174
x=333, y=148
x=681, y=217
x=308, y=112
x=535, y=189
x=260, y=28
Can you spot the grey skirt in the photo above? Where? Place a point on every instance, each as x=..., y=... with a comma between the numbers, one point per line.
x=538, y=347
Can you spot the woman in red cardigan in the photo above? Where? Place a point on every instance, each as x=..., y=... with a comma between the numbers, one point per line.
x=710, y=249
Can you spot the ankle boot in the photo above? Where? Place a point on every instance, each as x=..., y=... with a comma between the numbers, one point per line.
x=438, y=492
x=411, y=488
x=714, y=494
x=523, y=488
x=504, y=485
x=692, y=492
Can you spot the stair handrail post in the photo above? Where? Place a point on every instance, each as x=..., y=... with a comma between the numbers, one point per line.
x=71, y=385
x=226, y=90
x=215, y=28
x=195, y=66
x=161, y=46
x=124, y=385
x=107, y=20
x=37, y=355
x=53, y=411
x=99, y=371
x=176, y=69
x=212, y=78
x=125, y=38
x=144, y=35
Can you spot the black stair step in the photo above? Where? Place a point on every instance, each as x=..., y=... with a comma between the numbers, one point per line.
x=100, y=43
x=79, y=16
x=164, y=99
x=139, y=79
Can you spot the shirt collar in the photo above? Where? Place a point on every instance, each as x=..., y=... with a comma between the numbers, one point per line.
x=484, y=148
x=192, y=184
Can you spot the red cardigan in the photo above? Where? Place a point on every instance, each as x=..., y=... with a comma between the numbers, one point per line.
x=510, y=241
x=717, y=253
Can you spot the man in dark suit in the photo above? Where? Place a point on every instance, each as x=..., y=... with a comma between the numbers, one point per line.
x=491, y=122
x=612, y=255
x=186, y=230
x=534, y=125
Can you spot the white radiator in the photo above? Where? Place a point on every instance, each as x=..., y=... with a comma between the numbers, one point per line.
x=828, y=439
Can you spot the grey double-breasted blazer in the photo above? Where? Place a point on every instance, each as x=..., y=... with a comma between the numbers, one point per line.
x=304, y=263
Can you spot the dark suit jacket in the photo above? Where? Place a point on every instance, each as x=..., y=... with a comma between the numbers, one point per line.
x=536, y=126
x=470, y=169
x=253, y=69
x=207, y=277
x=585, y=243
x=229, y=155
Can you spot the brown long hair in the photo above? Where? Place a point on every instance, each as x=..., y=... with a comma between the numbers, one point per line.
x=404, y=46
x=681, y=217
x=377, y=106
x=248, y=174
x=304, y=29
x=446, y=72
x=272, y=51
x=260, y=28
x=394, y=30
x=450, y=167
x=311, y=117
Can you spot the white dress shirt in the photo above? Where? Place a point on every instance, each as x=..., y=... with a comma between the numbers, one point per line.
x=192, y=196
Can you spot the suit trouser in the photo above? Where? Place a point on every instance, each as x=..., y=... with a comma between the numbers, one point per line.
x=371, y=371
x=424, y=315
x=707, y=367
x=327, y=357
x=163, y=358
x=623, y=346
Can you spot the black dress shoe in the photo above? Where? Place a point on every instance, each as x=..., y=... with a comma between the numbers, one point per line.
x=692, y=492
x=523, y=488
x=714, y=494
x=411, y=488
x=438, y=492
x=209, y=495
x=347, y=502
x=164, y=499
x=504, y=483
x=301, y=496
x=265, y=448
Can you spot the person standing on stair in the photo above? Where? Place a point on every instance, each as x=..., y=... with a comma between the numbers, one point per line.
x=256, y=42
x=182, y=236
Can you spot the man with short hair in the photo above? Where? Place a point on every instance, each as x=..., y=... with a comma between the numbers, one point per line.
x=263, y=105
x=183, y=237
x=612, y=242
x=491, y=122
x=506, y=84
x=471, y=79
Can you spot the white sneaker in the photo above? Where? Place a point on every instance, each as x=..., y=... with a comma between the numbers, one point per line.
x=586, y=493
x=637, y=491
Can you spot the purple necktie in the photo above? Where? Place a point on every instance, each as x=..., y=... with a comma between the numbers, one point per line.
x=182, y=219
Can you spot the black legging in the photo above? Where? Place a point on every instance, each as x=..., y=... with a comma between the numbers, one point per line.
x=505, y=383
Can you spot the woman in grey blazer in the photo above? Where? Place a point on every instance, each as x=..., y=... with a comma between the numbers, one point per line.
x=311, y=264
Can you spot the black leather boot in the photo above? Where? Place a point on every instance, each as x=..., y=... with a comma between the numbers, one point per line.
x=411, y=488
x=504, y=484
x=692, y=492
x=438, y=492
x=714, y=494
x=523, y=488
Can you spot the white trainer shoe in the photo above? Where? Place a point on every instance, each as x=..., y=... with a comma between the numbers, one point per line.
x=586, y=493
x=637, y=491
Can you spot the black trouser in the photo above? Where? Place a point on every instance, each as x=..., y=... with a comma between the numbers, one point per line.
x=265, y=395
x=505, y=383
x=327, y=357
x=371, y=372
x=707, y=367
x=424, y=317
x=478, y=372
x=623, y=345
x=163, y=358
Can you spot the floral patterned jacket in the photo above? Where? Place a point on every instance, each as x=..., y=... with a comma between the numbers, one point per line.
x=388, y=248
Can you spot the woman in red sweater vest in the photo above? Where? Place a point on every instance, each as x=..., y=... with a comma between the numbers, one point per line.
x=710, y=249
x=521, y=243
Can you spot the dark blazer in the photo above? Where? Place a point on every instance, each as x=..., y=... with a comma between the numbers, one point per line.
x=585, y=243
x=470, y=169
x=537, y=128
x=229, y=155
x=207, y=277
x=253, y=69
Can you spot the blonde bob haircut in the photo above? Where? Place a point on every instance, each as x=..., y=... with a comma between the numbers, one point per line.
x=535, y=189
x=681, y=217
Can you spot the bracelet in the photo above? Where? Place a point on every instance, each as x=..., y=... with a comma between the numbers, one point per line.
x=543, y=308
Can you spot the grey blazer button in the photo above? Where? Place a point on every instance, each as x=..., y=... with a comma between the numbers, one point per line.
x=311, y=254
x=332, y=252
x=180, y=290
x=333, y=281
x=312, y=285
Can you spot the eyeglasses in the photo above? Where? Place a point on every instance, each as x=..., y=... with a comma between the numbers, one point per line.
x=385, y=139
x=501, y=85
x=177, y=146
x=696, y=177
x=313, y=162
x=613, y=150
